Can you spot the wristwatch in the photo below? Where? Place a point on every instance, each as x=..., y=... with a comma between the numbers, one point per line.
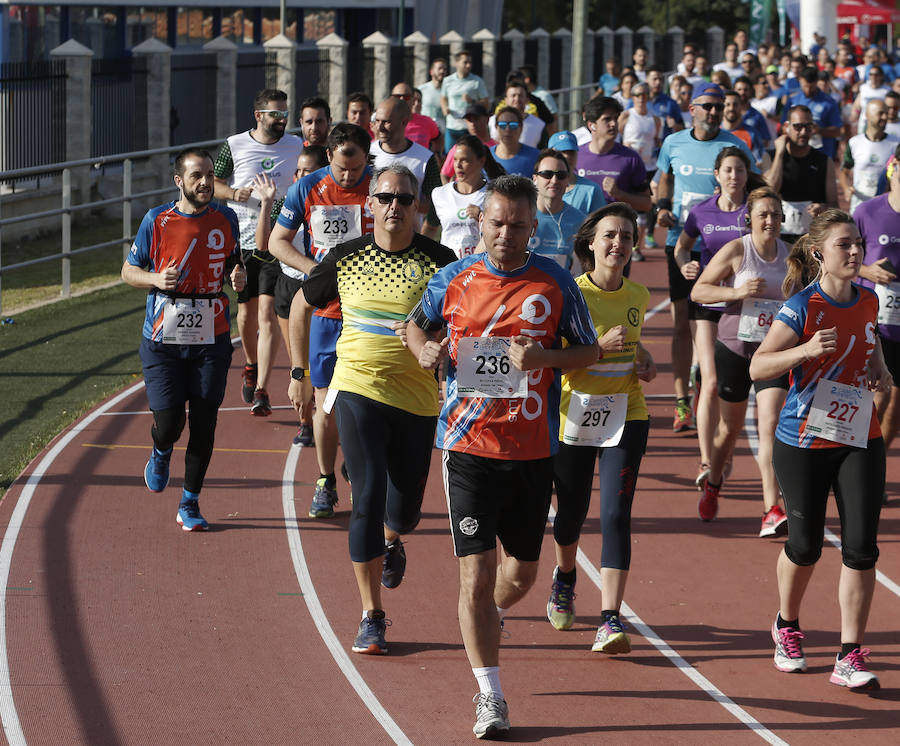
x=298, y=374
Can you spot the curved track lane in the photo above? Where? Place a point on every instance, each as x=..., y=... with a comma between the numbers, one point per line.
x=118, y=628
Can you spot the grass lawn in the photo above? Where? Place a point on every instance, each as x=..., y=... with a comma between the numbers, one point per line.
x=58, y=361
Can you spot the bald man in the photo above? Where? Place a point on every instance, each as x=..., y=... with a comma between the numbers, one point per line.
x=420, y=129
x=392, y=145
x=862, y=170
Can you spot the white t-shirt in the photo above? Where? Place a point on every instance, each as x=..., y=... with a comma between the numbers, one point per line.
x=458, y=231
x=869, y=160
x=415, y=158
x=733, y=72
x=249, y=158
x=640, y=134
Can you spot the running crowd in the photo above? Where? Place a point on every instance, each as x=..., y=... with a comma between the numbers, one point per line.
x=453, y=271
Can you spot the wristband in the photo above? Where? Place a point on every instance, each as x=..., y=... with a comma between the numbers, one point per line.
x=234, y=195
x=664, y=204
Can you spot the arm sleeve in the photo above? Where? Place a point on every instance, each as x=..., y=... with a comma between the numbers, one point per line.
x=291, y=215
x=139, y=256
x=847, y=162
x=224, y=165
x=320, y=288
x=690, y=225
x=577, y=326
x=793, y=314
x=428, y=312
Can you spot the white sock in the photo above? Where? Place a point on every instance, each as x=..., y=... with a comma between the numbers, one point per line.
x=488, y=679
x=501, y=613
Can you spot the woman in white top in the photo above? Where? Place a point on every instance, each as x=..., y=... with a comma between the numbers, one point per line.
x=747, y=273
x=456, y=206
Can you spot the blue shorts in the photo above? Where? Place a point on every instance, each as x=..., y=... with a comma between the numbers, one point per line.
x=323, y=337
x=175, y=374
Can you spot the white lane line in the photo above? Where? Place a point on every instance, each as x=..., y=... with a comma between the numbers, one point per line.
x=710, y=689
x=318, y=613
x=221, y=409
x=12, y=728
x=753, y=440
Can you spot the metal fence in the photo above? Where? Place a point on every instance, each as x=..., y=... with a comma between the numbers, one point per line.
x=310, y=70
x=32, y=111
x=193, y=94
x=114, y=92
x=252, y=73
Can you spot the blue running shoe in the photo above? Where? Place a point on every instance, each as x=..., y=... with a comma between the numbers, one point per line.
x=156, y=472
x=394, y=564
x=370, y=636
x=324, y=500
x=189, y=517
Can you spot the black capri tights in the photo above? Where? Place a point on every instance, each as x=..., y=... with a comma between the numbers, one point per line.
x=388, y=454
x=573, y=475
x=807, y=475
x=168, y=424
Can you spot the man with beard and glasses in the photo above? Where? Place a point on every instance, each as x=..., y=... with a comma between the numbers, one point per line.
x=267, y=150
x=181, y=254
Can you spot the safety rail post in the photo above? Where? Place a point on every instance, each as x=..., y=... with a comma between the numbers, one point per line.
x=226, y=52
x=284, y=51
x=336, y=54
x=488, y=58
x=127, y=175
x=380, y=45
x=421, y=62
x=66, y=246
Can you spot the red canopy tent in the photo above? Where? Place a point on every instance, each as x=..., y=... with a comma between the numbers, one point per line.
x=855, y=12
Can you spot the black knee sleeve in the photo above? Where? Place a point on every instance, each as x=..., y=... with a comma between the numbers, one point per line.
x=859, y=559
x=202, y=420
x=802, y=556
x=168, y=424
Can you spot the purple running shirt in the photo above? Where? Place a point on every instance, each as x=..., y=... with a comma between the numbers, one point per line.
x=715, y=226
x=622, y=163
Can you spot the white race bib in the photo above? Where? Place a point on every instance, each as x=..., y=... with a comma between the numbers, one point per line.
x=596, y=420
x=841, y=413
x=189, y=322
x=816, y=141
x=888, y=303
x=688, y=200
x=796, y=218
x=483, y=369
x=756, y=318
x=333, y=224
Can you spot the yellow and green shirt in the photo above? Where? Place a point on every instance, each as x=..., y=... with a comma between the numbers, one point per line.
x=376, y=288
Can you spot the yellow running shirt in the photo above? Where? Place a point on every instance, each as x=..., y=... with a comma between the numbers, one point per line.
x=376, y=288
x=614, y=374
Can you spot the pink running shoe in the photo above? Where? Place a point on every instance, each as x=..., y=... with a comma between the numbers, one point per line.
x=852, y=673
x=789, y=656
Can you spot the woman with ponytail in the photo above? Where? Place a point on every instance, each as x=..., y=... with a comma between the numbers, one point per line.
x=828, y=438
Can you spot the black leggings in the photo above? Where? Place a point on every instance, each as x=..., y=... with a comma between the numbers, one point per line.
x=388, y=454
x=573, y=475
x=806, y=475
x=168, y=424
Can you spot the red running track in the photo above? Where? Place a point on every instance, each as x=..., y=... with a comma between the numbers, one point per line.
x=119, y=628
